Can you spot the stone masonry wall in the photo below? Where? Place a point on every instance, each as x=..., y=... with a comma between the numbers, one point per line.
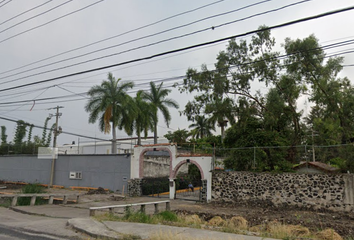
x=134, y=187
x=317, y=191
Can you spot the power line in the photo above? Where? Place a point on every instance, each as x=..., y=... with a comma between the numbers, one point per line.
x=185, y=48
x=64, y=132
x=20, y=14
x=55, y=19
x=5, y=3
x=115, y=36
x=329, y=46
x=40, y=14
x=147, y=45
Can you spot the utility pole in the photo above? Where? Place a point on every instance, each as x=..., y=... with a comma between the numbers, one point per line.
x=57, y=131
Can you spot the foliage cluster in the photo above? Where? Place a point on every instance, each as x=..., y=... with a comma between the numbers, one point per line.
x=22, y=146
x=31, y=188
x=269, y=124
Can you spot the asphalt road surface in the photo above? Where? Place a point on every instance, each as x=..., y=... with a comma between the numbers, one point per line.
x=6, y=233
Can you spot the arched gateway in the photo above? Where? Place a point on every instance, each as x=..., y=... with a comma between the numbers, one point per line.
x=202, y=161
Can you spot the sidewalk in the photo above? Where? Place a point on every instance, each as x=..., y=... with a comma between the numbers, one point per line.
x=78, y=219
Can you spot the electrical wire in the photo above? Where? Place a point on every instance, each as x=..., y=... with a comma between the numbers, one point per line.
x=326, y=47
x=20, y=14
x=5, y=3
x=63, y=132
x=51, y=21
x=35, y=16
x=115, y=36
x=146, y=45
x=326, y=14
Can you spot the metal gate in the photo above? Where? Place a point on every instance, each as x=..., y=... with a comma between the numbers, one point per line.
x=183, y=191
x=155, y=187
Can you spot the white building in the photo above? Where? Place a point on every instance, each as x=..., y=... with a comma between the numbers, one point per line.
x=125, y=145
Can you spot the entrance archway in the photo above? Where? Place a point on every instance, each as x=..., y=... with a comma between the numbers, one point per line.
x=203, y=162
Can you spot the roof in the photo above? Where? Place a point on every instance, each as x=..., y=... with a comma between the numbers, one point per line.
x=319, y=165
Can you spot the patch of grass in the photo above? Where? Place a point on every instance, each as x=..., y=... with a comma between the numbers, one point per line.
x=236, y=224
x=6, y=202
x=168, y=216
x=31, y=188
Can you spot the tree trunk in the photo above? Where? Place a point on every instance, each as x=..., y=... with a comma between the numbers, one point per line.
x=139, y=136
x=222, y=132
x=114, y=140
x=155, y=133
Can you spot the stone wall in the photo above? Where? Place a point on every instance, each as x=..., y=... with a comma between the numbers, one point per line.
x=317, y=191
x=134, y=187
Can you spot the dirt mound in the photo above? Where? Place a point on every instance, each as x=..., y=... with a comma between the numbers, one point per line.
x=99, y=190
x=328, y=234
x=217, y=221
x=238, y=222
x=193, y=219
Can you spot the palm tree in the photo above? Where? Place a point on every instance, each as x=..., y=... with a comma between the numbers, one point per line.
x=144, y=118
x=157, y=97
x=221, y=110
x=110, y=103
x=202, y=127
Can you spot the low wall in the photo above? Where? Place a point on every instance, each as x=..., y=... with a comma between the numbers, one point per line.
x=317, y=191
x=107, y=171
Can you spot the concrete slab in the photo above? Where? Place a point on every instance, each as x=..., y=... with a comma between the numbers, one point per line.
x=56, y=211
x=147, y=230
x=92, y=228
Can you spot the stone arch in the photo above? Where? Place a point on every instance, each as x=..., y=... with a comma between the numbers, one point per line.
x=157, y=148
x=174, y=172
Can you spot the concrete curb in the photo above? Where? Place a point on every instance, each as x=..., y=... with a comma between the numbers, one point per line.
x=92, y=228
x=34, y=214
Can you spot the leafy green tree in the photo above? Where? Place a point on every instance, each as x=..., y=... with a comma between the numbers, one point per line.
x=44, y=133
x=221, y=111
x=248, y=143
x=110, y=104
x=144, y=120
x=158, y=98
x=202, y=127
x=49, y=137
x=29, y=137
x=178, y=136
x=3, y=135
x=20, y=134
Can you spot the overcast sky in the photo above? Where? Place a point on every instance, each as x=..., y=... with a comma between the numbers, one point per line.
x=29, y=38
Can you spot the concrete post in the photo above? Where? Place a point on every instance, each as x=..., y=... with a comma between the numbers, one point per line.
x=14, y=201
x=142, y=208
x=92, y=212
x=65, y=199
x=172, y=188
x=51, y=199
x=33, y=200
x=156, y=208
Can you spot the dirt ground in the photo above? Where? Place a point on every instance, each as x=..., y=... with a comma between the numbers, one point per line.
x=256, y=214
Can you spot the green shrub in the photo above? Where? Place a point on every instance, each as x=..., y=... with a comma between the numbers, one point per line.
x=31, y=188
x=168, y=216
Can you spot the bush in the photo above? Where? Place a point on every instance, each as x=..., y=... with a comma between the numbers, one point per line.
x=31, y=188
x=168, y=216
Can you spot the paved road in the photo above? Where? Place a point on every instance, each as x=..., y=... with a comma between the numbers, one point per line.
x=14, y=225
x=7, y=233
